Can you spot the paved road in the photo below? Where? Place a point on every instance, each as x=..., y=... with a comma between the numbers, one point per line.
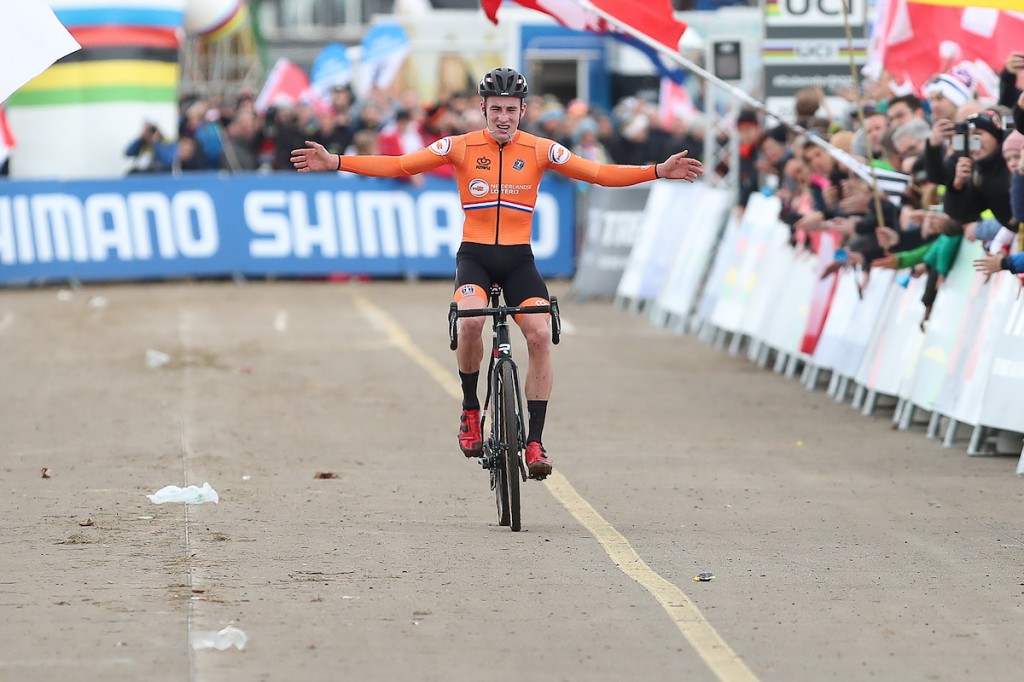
x=842, y=550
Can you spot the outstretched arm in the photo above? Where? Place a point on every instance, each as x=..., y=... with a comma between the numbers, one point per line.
x=676, y=167
x=313, y=157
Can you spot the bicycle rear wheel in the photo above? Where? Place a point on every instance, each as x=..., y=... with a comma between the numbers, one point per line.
x=509, y=434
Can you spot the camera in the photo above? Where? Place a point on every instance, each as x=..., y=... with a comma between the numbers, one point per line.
x=963, y=141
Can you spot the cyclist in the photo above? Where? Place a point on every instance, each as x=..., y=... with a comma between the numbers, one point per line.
x=498, y=171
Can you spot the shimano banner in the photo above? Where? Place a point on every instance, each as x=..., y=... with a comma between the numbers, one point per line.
x=286, y=225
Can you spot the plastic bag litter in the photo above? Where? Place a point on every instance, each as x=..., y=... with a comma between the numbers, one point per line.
x=189, y=495
x=221, y=640
x=155, y=358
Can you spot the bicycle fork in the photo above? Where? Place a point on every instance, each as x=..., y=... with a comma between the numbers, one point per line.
x=501, y=354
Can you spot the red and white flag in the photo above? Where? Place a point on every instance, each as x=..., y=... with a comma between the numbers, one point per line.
x=919, y=39
x=6, y=138
x=653, y=18
x=286, y=84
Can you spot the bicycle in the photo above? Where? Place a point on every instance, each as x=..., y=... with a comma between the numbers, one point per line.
x=502, y=453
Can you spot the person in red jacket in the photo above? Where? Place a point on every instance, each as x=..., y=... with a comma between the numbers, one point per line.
x=498, y=171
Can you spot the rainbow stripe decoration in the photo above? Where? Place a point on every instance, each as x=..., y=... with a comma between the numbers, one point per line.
x=129, y=54
x=771, y=8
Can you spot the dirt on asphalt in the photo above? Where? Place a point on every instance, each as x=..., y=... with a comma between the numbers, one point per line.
x=842, y=549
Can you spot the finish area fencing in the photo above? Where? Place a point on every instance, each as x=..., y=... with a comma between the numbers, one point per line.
x=695, y=265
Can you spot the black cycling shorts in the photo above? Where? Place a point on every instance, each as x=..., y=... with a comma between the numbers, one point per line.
x=512, y=267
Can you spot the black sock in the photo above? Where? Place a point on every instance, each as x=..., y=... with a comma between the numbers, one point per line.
x=538, y=409
x=469, y=382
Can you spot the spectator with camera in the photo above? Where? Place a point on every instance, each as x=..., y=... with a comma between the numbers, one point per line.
x=980, y=178
x=150, y=152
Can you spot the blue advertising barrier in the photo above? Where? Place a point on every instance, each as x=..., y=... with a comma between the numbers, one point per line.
x=286, y=224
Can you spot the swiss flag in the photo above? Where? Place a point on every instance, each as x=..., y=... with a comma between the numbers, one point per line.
x=653, y=18
x=919, y=40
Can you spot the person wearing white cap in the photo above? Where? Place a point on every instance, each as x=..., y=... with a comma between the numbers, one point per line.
x=948, y=92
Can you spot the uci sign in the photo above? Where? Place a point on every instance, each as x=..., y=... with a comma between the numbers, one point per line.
x=814, y=12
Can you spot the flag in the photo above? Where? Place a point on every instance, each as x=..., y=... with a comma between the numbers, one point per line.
x=331, y=68
x=384, y=49
x=31, y=39
x=653, y=18
x=919, y=39
x=286, y=83
x=6, y=138
x=674, y=102
x=990, y=4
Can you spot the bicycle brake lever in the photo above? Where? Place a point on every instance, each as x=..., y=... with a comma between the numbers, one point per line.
x=556, y=322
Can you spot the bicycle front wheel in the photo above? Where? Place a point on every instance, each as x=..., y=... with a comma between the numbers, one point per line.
x=508, y=430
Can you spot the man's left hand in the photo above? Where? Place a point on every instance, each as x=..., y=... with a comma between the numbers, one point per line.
x=680, y=167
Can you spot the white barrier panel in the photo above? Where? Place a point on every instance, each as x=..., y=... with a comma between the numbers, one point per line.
x=864, y=323
x=821, y=294
x=784, y=329
x=771, y=280
x=840, y=313
x=947, y=312
x=667, y=217
x=679, y=293
x=742, y=276
x=973, y=334
x=978, y=356
x=724, y=256
x=1001, y=406
x=886, y=363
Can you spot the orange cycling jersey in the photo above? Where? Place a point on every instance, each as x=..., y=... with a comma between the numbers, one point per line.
x=498, y=184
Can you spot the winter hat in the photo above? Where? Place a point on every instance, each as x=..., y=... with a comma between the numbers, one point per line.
x=957, y=86
x=1014, y=140
x=989, y=122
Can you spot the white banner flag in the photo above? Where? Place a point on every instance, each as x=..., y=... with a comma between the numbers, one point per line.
x=31, y=39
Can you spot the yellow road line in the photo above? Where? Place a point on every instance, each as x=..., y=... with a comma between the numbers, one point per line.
x=702, y=636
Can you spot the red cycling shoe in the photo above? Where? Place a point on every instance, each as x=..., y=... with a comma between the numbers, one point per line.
x=537, y=461
x=470, y=440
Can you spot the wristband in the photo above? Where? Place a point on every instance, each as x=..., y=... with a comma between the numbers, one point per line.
x=656, y=176
x=339, y=162
x=1004, y=264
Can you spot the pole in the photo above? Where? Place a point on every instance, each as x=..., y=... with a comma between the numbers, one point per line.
x=859, y=169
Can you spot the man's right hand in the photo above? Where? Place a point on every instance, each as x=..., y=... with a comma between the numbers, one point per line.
x=964, y=165
x=313, y=157
x=942, y=130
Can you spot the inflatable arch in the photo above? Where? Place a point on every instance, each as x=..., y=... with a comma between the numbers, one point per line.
x=76, y=118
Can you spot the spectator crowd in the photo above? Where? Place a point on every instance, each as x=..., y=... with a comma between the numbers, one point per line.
x=960, y=153
x=960, y=156
x=236, y=136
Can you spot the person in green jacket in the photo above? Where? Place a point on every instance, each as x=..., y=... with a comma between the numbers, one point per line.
x=934, y=259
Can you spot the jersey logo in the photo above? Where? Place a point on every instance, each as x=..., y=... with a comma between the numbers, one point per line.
x=518, y=165
x=479, y=187
x=558, y=154
x=483, y=163
x=442, y=146
x=468, y=290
